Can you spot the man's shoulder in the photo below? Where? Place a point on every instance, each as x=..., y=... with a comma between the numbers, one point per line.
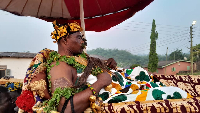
x=61, y=65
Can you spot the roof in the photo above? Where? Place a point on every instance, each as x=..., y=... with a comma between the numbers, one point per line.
x=98, y=56
x=17, y=55
x=32, y=55
x=162, y=64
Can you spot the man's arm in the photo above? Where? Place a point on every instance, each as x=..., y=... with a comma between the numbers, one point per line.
x=111, y=63
x=42, y=76
x=63, y=75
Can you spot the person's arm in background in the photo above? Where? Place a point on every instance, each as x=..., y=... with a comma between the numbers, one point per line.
x=111, y=63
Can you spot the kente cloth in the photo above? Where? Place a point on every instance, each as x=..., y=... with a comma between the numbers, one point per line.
x=188, y=83
x=36, y=66
x=189, y=105
x=141, y=88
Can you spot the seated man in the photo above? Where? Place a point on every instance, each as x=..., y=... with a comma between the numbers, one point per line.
x=51, y=83
x=53, y=76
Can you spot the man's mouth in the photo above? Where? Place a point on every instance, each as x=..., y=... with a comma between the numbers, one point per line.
x=83, y=46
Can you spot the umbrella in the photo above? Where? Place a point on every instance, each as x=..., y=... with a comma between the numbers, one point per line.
x=99, y=15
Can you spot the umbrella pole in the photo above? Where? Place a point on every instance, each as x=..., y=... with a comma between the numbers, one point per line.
x=82, y=19
x=82, y=16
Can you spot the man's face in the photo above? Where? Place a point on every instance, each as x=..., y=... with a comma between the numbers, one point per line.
x=76, y=42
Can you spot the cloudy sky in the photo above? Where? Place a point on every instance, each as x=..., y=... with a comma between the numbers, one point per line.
x=173, y=19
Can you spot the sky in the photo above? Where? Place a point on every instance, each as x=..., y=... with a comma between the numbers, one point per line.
x=173, y=19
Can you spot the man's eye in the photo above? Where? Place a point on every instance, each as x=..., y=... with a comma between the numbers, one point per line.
x=79, y=37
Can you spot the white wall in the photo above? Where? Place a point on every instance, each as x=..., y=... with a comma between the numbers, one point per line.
x=17, y=66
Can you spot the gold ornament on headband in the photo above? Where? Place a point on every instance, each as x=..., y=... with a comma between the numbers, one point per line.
x=75, y=27
x=62, y=30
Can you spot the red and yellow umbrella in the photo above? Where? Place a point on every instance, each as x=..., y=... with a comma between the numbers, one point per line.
x=99, y=15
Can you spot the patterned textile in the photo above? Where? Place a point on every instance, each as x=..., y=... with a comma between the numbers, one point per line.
x=189, y=105
x=36, y=66
x=188, y=83
x=13, y=86
x=142, y=88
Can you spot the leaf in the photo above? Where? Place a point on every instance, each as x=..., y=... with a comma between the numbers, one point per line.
x=57, y=63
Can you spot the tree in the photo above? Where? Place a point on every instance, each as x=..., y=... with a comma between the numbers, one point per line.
x=161, y=57
x=176, y=55
x=196, y=52
x=153, y=57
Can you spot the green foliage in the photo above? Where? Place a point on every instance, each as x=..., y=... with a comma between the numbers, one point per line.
x=178, y=55
x=196, y=52
x=52, y=104
x=96, y=71
x=161, y=57
x=153, y=57
x=70, y=60
x=122, y=57
x=134, y=65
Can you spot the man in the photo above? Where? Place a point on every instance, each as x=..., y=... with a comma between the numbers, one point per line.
x=64, y=75
x=70, y=43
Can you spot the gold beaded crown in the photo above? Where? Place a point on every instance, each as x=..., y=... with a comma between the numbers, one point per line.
x=64, y=30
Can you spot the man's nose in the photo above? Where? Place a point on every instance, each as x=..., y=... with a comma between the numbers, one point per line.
x=82, y=41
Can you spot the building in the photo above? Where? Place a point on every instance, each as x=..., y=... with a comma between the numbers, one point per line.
x=172, y=67
x=15, y=64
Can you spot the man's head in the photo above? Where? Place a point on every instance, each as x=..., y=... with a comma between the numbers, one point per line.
x=69, y=37
x=73, y=43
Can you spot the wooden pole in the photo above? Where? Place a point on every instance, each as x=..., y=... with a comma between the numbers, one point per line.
x=82, y=19
x=82, y=16
x=166, y=63
x=191, y=50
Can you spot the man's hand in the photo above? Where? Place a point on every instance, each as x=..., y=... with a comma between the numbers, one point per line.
x=111, y=63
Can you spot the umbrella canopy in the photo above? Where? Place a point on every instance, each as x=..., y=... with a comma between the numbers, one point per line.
x=99, y=15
